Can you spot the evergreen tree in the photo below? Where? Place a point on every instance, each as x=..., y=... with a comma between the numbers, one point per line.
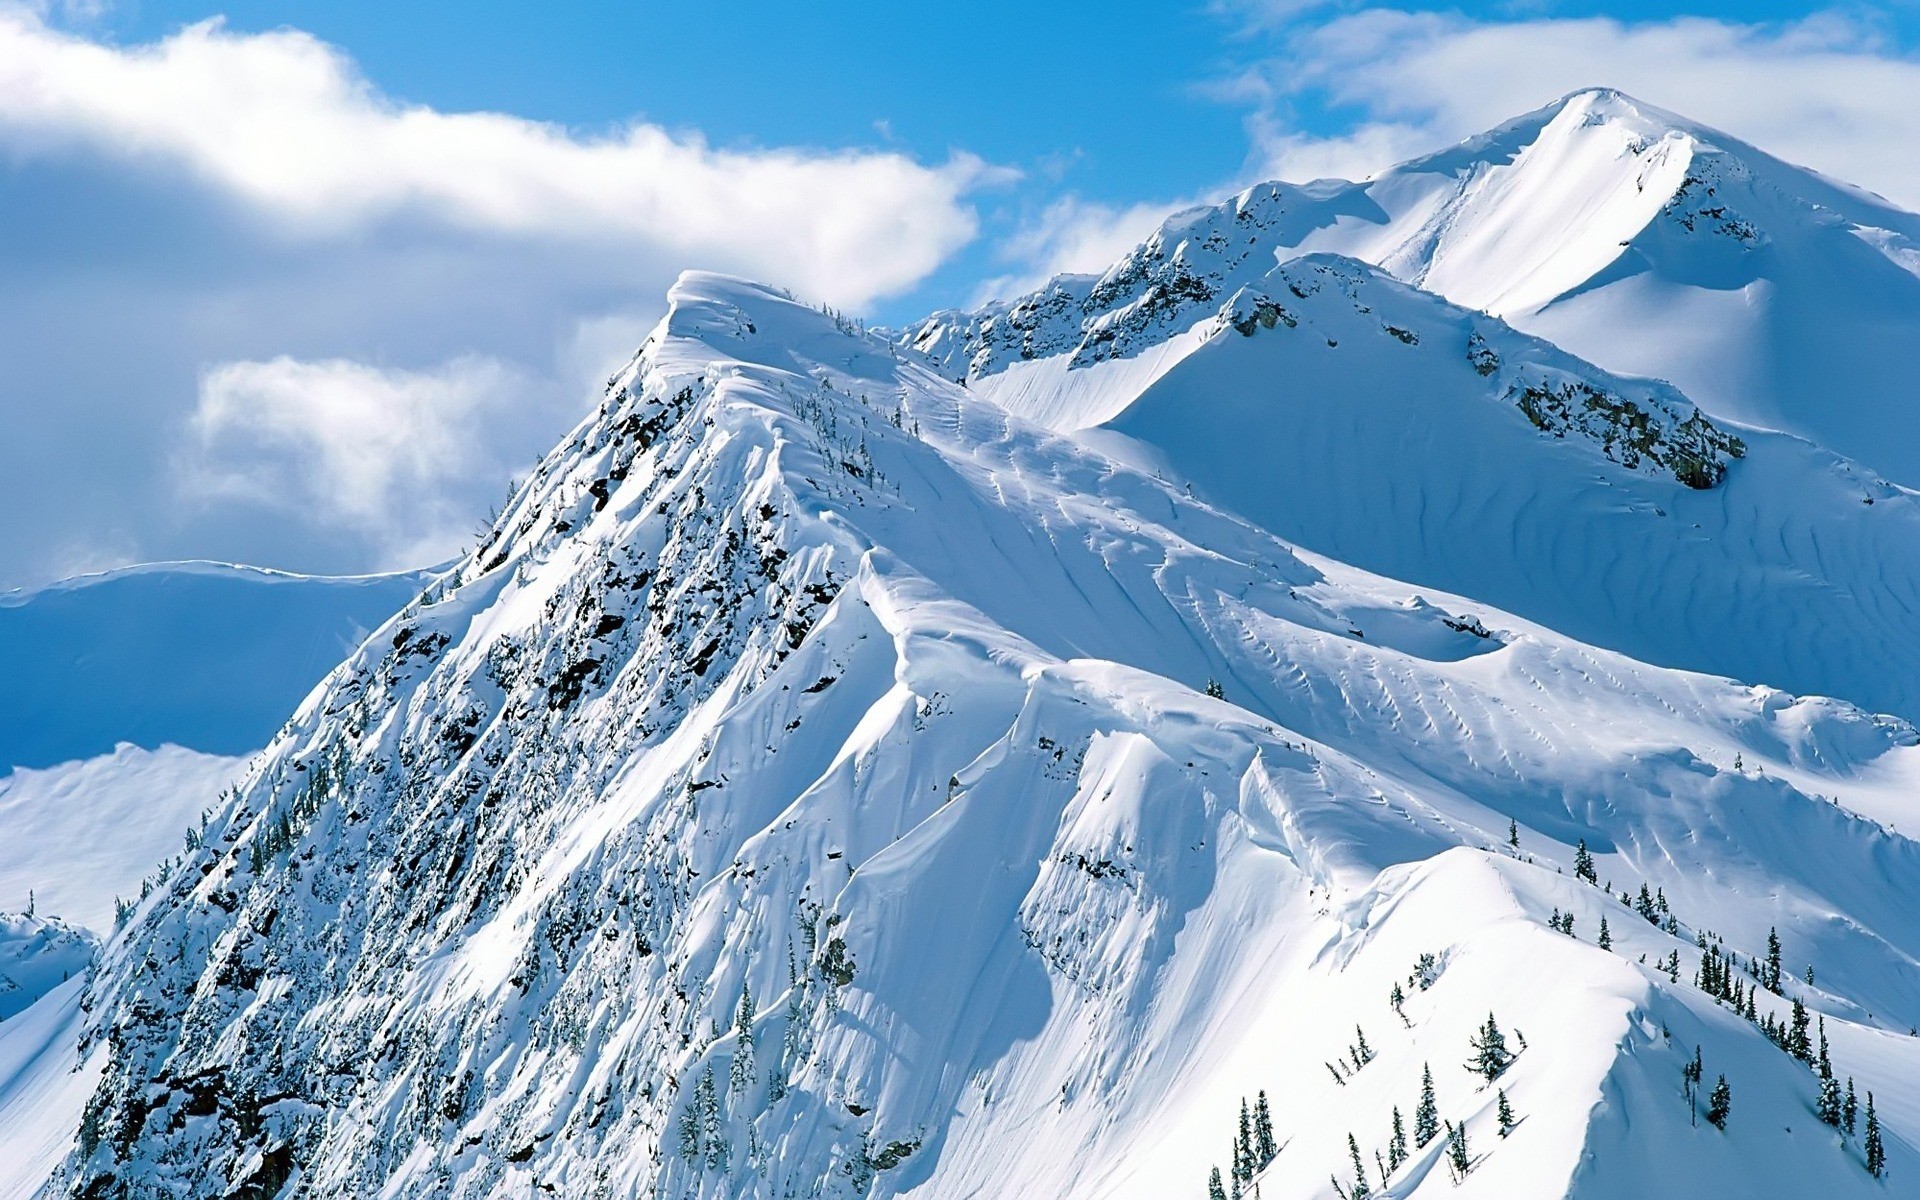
x=1583, y=863
x=1243, y=1145
x=1606, y=937
x=1798, y=1044
x=1876, y=1153
x=1426, y=1117
x=1513, y=833
x=1771, y=977
x=1507, y=1120
x=1362, y=1053
x=1719, y=1104
x=1490, y=1053
x=740, y=1074
x=1215, y=1189
x=706, y=1098
x=1457, y=1156
x=1360, y=1190
x=1397, y=1143
x=1644, y=906
x=1264, y=1147
x=1690, y=1076
x=691, y=1148
x=1829, y=1107
x=1850, y=1108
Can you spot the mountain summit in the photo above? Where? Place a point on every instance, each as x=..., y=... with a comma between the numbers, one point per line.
x=1245, y=724
x=822, y=781
x=1646, y=243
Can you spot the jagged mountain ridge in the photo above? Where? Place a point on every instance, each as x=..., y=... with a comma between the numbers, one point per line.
x=799, y=671
x=1637, y=239
x=1353, y=418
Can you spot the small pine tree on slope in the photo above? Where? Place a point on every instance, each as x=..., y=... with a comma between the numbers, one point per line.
x=1426, y=1117
x=1719, y=1104
x=1264, y=1147
x=1876, y=1152
x=1490, y=1053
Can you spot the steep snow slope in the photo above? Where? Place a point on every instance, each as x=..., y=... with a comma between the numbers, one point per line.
x=203, y=655
x=43, y=1089
x=811, y=788
x=1628, y=235
x=1388, y=429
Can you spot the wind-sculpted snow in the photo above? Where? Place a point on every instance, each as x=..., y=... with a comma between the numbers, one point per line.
x=1627, y=235
x=1392, y=431
x=1380, y=425
x=812, y=788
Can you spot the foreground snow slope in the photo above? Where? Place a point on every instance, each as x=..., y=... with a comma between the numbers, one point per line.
x=811, y=789
x=1628, y=235
x=203, y=655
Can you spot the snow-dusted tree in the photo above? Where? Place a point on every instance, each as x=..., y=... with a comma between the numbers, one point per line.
x=1243, y=1154
x=1490, y=1053
x=1361, y=1052
x=1770, y=976
x=1849, y=1108
x=1458, y=1157
x=740, y=1074
x=1829, y=1107
x=1720, y=1103
x=1359, y=1190
x=1396, y=1143
x=1264, y=1147
x=1606, y=936
x=1583, y=863
x=1798, y=1044
x=706, y=1099
x=1513, y=833
x=1215, y=1189
x=1426, y=1117
x=1876, y=1153
x=1505, y=1114
x=690, y=1142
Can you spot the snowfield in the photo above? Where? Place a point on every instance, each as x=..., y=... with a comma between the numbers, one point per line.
x=826, y=781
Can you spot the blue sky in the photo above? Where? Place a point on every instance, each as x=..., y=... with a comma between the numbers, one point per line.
x=306, y=287
x=1116, y=102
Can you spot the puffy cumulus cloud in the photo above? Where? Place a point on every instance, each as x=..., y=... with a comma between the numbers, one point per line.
x=402, y=457
x=252, y=200
x=284, y=121
x=1827, y=92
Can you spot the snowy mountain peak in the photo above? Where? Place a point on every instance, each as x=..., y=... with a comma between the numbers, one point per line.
x=823, y=781
x=983, y=761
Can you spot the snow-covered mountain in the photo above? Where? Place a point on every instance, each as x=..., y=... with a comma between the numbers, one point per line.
x=828, y=781
x=1630, y=236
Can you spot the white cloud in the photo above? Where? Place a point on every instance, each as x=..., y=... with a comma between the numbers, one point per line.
x=1826, y=92
x=283, y=121
x=395, y=455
